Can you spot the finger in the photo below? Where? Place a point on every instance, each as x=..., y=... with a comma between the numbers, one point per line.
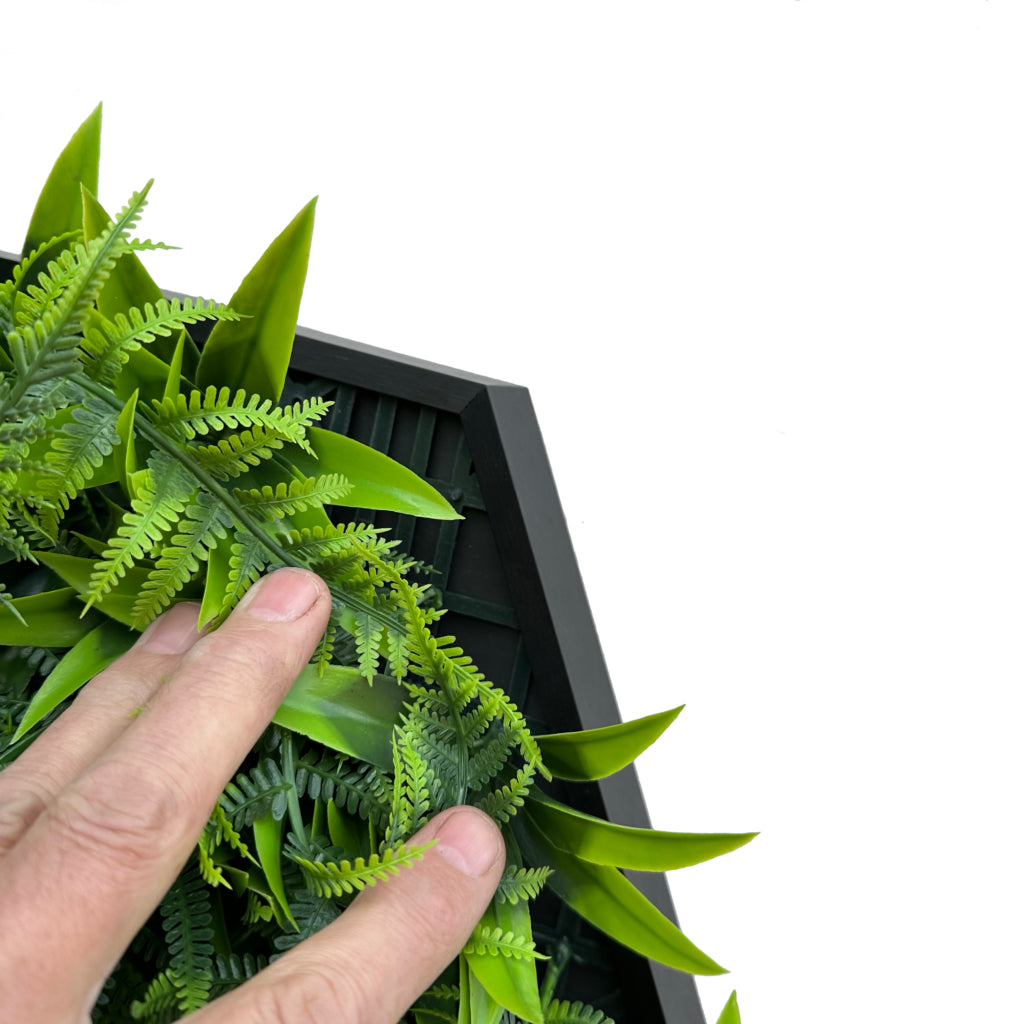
x=96, y=862
x=389, y=946
x=102, y=711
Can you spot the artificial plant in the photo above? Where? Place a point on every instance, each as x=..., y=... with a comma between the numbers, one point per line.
x=138, y=470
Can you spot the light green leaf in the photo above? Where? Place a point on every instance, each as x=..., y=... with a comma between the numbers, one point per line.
x=611, y=903
x=511, y=981
x=596, y=753
x=341, y=710
x=59, y=207
x=91, y=655
x=124, y=453
x=378, y=482
x=731, y=1013
x=267, y=835
x=51, y=619
x=640, y=849
x=218, y=572
x=253, y=354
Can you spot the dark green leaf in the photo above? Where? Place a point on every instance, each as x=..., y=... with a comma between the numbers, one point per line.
x=52, y=619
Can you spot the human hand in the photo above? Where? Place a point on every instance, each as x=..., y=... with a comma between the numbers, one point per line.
x=99, y=815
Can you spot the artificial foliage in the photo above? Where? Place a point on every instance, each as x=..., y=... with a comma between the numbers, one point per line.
x=138, y=470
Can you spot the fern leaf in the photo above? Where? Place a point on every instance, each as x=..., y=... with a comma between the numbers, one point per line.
x=503, y=803
x=206, y=523
x=187, y=921
x=411, y=799
x=80, y=448
x=360, y=788
x=108, y=347
x=323, y=541
x=234, y=970
x=233, y=455
x=521, y=884
x=248, y=560
x=494, y=941
x=490, y=759
x=561, y=1012
x=296, y=496
x=311, y=913
x=155, y=511
x=263, y=791
x=160, y=997
x=326, y=878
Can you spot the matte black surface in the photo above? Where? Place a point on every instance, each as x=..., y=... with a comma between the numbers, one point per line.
x=509, y=577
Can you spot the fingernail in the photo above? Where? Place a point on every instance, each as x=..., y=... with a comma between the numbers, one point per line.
x=469, y=841
x=283, y=596
x=174, y=632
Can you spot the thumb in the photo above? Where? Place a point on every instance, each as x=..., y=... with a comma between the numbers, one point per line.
x=390, y=945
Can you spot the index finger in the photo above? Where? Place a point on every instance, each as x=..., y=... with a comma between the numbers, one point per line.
x=93, y=866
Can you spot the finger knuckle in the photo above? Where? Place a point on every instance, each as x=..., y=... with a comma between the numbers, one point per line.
x=20, y=806
x=119, y=823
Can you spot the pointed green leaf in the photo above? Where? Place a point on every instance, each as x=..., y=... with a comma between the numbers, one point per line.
x=267, y=835
x=731, y=1013
x=51, y=619
x=640, y=849
x=510, y=981
x=378, y=482
x=91, y=655
x=124, y=453
x=610, y=902
x=341, y=710
x=596, y=753
x=129, y=284
x=218, y=571
x=253, y=354
x=59, y=207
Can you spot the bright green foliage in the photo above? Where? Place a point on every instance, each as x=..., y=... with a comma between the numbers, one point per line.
x=731, y=1012
x=136, y=472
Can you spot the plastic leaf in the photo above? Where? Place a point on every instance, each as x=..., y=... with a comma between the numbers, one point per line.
x=59, y=207
x=267, y=834
x=341, y=710
x=596, y=753
x=124, y=454
x=731, y=1013
x=510, y=980
x=50, y=619
x=253, y=354
x=610, y=902
x=640, y=849
x=378, y=482
x=92, y=654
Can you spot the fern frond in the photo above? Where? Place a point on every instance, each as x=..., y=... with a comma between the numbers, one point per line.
x=248, y=560
x=80, y=448
x=263, y=791
x=494, y=941
x=109, y=346
x=159, y=999
x=501, y=804
x=311, y=913
x=489, y=759
x=561, y=1012
x=206, y=522
x=187, y=921
x=324, y=541
x=411, y=799
x=521, y=884
x=326, y=878
x=358, y=787
x=296, y=496
x=214, y=410
x=156, y=509
x=368, y=635
x=233, y=455
x=234, y=970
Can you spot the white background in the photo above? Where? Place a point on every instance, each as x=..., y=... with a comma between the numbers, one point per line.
x=784, y=241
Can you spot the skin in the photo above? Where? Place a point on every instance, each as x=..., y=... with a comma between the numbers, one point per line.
x=100, y=814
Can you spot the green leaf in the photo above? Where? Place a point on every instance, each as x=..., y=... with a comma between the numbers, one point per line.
x=640, y=849
x=596, y=753
x=731, y=1013
x=253, y=354
x=341, y=710
x=124, y=454
x=59, y=207
x=267, y=833
x=510, y=980
x=378, y=482
x=91, y=655
x=51, y=619
x=611, y=903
